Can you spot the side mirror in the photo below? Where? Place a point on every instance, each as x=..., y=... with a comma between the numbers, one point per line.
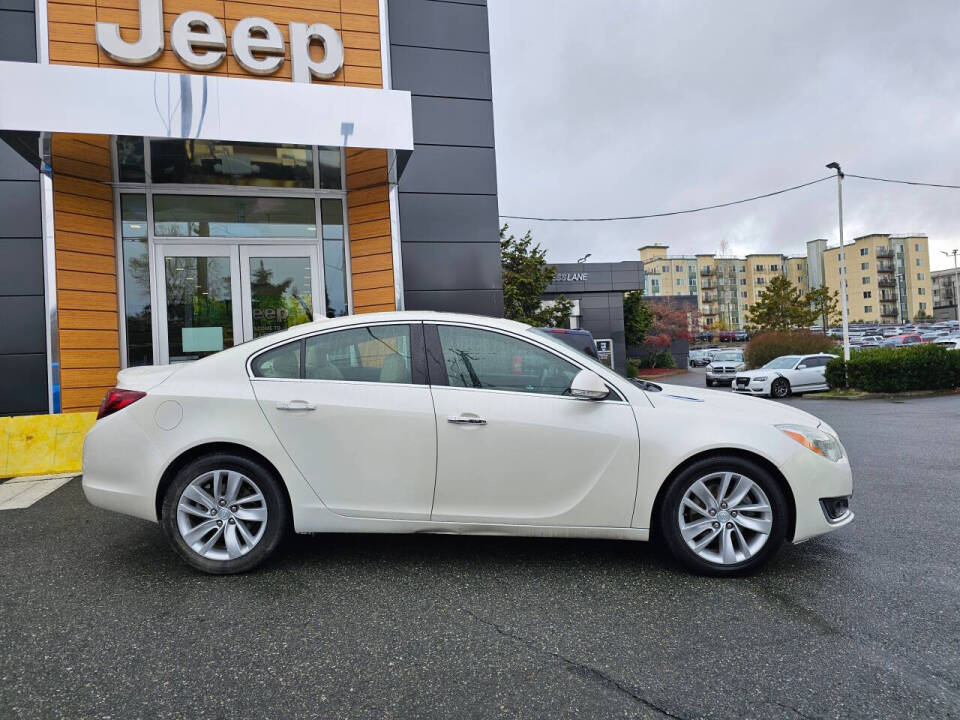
x=588, y=385
x=801, y=367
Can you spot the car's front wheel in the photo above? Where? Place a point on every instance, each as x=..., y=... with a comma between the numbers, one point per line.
x=723, y=515
x=780, y=388
x=224, y=514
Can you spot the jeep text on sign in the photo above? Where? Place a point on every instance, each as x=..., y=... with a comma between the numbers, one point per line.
x=200, y=42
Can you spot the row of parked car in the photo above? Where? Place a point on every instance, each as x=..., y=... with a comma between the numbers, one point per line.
x=946, y=333
x=723, y=336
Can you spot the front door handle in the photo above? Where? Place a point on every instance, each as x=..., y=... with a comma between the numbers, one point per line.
x=296, y=405
x=466, y=420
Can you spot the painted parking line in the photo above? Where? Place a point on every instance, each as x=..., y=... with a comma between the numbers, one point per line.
x=22, y=492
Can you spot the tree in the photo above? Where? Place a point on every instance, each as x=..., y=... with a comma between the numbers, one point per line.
x=921, y=316
x=637, y=318
x=526, y=276
x=669, y=325
x=824, y=306
x=781, y=307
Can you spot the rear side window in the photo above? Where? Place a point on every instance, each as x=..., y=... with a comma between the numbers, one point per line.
x=280, y=362
x=379, y=353
x=816, y=362
x=489, y=360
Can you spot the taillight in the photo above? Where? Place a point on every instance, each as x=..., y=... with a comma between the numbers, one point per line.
x=118, y=399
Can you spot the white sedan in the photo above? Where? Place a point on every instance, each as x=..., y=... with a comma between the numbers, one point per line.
x=785, y=375
x=425, y=422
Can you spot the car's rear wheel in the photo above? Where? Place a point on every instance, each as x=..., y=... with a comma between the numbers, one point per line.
x=723, y=515
x=224, y=514
x=780, y=388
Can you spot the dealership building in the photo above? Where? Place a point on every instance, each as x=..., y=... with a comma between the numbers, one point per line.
x=180, y=176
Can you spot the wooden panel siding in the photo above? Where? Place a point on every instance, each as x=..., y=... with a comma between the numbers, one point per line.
x=371, y=247
x=86, y=269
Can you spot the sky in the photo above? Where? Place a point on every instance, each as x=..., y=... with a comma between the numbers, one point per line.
x=626, y=107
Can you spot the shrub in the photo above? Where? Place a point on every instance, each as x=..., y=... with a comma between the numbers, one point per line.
x=888, y=370
x=767, y=346
x=632, y=369
x=662, y=359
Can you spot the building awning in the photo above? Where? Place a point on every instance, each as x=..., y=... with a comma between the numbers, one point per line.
x=105, y=101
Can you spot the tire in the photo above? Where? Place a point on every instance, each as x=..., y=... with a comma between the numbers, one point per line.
x=780, y=388
x=711, y=472
x=254, y=540
x=709, y=383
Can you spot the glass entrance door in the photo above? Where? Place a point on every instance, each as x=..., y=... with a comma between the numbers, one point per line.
x=280, y=287
x=212, y=297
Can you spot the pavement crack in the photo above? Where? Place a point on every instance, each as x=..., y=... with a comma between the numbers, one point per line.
x=794, y=710
x=580, y=668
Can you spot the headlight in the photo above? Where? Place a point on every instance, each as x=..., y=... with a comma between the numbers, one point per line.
x=760, y=378
x=815, y=440
x=741, y=366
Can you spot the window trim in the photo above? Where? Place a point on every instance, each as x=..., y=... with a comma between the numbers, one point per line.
x=434, y=352
x=418, y=359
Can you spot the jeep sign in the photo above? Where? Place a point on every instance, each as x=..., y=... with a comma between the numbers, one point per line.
x=200, y=42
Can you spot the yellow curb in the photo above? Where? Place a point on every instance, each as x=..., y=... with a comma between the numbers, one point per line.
x=43, y=444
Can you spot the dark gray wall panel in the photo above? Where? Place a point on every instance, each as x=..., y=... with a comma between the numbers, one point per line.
x=452, y=121
x=20, y=208
x=474, y=302
x=445, y=169
x=447, y=73
x=22, y=5
x=21, y=267
x=18, y=40
x=28, y=395
x=450, y=266
x=449, y=218
x=427, y=23
x=13, y=166
x=23, y=326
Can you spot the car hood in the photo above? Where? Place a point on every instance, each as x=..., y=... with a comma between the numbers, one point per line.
x=726, y=405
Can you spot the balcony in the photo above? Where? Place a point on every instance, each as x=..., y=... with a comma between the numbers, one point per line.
x=883, y=252
x=707, y=285
x=887, y=296
x=709, y=311
x=886, y=282
x=709, y=297
x=884, y=267
x=888, y=311
x=706, y=270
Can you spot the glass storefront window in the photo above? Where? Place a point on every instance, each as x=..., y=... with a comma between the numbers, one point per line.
x=199, y=306
x=214, y=162
x=234, y=216
x=334, y=260
x=330, y=168
x=281, y=293
x=130, y=159
x=136, y=280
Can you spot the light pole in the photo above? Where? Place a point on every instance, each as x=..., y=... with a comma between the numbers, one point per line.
x=843, y=266
x=956, y=281
x=584, y=258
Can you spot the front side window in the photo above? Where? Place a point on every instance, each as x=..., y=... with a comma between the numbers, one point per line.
x=379, y=353
x=489, y=360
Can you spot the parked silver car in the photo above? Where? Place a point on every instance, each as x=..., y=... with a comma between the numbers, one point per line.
x=724, y=366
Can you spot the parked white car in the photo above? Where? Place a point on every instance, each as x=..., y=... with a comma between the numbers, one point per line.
x=785, y=375
x=426, y=422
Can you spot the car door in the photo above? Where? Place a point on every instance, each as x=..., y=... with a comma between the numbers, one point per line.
x=353, y=409
x=815, y=372
x=513, y=447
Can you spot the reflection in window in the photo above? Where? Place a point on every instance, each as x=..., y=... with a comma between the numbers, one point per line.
x=233, y=216
x=281, y=293
x=136, y=280
x=331, y=170
x=367, y=354
x=130, y=159
x=215, y=162
x=334, y=257
x=489, y=360
x=281, y=362
x=199, y=306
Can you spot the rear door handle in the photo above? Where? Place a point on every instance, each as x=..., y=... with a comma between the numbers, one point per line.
x=466, y=420
x=296, y=405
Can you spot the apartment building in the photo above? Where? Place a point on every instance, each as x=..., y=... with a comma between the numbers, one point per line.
x=888, y=277
x=668, y=275
x=944, y=294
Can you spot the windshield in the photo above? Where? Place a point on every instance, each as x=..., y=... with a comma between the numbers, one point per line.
x=782, y=363
x=728, y=357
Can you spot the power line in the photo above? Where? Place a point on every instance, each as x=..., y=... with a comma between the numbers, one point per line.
x=672, y=212
x=903, y=182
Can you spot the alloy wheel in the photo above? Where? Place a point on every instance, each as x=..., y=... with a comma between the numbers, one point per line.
x=725, y=518
x=222, y=515
x=780, y=388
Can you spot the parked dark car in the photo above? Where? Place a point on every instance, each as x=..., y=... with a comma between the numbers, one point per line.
x=741, y=336
x=581, y=340
x=901, y=340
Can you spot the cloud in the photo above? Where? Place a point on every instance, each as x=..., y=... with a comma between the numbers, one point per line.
x=630, y=107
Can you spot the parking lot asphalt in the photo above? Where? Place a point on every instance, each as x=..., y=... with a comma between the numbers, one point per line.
x=98, y=618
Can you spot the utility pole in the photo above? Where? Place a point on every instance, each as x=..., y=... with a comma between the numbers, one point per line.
x=843, y=266
x=956, y=281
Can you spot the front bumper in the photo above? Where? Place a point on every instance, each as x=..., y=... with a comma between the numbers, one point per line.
x=814, y=482
x=752, y=386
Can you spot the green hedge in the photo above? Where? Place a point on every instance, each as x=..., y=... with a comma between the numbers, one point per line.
x=764, y=348
x=888, y=370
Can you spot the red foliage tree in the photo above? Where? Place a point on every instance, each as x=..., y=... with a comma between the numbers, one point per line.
x=670, y=324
